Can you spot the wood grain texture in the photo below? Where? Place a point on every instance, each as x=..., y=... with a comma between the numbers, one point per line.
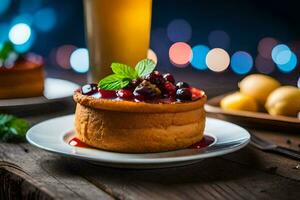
x=236, y=176
x=38, y=165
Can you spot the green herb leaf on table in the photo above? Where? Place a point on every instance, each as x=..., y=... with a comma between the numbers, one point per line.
x=12, y=128
x=145, y=67
x=113, y=82
x=5, y=49
x=124, y=70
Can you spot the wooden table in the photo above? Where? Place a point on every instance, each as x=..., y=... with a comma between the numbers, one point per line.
x=27, y=172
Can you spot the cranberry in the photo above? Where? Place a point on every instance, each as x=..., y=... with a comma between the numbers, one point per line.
x=196, y=93
x=169, y=89
x=133, y=84
x=184, y=94
x=148, y=90
x=108, y=94
x=156, y=78
x=124, y=94
x=182, y=85
x=169, y=77
x=139, y=97
x=89, y=89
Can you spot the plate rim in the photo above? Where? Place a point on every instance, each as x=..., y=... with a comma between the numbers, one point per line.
x=136, y=161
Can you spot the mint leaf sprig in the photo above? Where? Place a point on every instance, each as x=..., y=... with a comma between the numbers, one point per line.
x=12, y=129
x=124, y=74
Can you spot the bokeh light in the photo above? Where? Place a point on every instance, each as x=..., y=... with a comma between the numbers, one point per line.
x=199, y=56
x=241, y=62
x=180, y=54
x=281, y=54
x=152, y=55
x=45, y=19
x=29, y=6
x=264, y=65
x=290, y=65
x=265, y=47
x=79, y=60
x=219, y=39
x=4, y=5
x=19, y=33
x=298, y=83
x=179, y=30
x=63, y=54
x=22, y=48
x=217, y=60
x=23, y=18
x=4, y=28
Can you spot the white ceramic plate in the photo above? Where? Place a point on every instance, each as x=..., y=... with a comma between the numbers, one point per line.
x=55, y=90
x=54, y=135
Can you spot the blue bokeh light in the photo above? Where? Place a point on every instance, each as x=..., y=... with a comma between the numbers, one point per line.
x=4, y=28
x=45, y=19
x=29, y=6
x=281, y=54
x=179, y=30
x=199, y=55
x=23, y=18
x=241, y=62
x=27, y=45
x=79, y=60
x=290, y=65
x=19, y=34
x=219, y=39
x=4, y=5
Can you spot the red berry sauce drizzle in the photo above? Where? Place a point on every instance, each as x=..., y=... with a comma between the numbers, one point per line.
x=205, y=142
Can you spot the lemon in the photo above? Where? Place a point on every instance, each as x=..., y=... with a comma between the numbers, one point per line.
x=239, y=101
x=284, y=101
x=258, y=86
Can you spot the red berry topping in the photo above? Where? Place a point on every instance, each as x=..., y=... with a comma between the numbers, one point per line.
x=133, y=84
x=184, y=94
x=124, y=94
x=182, y=85
x=89, y=89
x=169, y=77
x=108, y=94
x=169, y=89
x=148, y=90
x=156, y=78
x=196, y=93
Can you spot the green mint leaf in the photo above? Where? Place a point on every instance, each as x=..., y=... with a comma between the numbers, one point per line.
x=114, y=82
x=145, y=67
x=124, y=70
x=12, y=129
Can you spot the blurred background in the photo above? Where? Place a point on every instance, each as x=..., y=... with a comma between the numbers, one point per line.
x=187, y=37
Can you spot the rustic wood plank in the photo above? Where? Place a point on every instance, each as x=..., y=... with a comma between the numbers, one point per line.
x=59, y=181
x=211, y=179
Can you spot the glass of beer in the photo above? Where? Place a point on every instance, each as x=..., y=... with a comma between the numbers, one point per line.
x=117, y=31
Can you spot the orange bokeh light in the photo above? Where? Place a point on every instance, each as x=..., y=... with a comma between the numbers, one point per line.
x=180, y=54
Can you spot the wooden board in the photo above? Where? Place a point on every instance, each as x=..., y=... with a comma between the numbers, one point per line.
x=252, y=119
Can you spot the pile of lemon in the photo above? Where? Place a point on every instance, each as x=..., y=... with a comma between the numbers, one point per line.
x=260, y=93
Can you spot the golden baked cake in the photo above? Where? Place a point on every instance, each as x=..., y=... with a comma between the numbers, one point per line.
x=139, y=110
x=21, y=76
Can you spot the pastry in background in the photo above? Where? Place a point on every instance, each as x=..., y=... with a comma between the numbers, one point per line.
x=21, y=75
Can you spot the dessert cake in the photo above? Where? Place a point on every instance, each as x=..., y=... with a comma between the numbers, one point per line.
x=139, y=111
x=20, y=75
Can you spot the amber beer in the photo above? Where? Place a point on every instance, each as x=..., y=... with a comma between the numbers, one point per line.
x=117, y=31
